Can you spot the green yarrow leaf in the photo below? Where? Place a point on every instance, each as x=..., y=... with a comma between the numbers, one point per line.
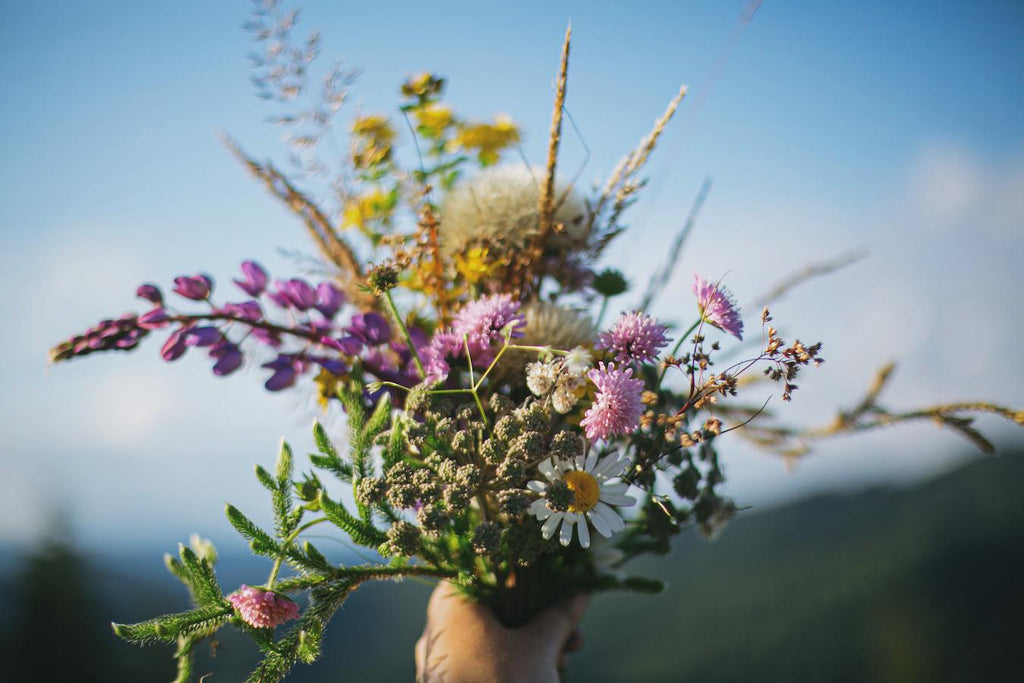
x=361, y=531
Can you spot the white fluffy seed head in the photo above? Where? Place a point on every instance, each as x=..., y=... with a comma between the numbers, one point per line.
x=501, y=206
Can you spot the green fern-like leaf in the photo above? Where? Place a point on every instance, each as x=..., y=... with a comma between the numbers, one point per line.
x=361, y=531
x=259, y=540
x=170, y=627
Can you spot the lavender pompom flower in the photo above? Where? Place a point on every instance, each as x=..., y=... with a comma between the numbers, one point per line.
x=635, y=336
x=262, y=608
x=482, y=322
x=617, y=407
x=717, y=306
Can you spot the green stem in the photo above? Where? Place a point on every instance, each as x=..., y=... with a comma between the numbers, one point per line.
x=287, y=542
x=405, y=333
x=600, y=315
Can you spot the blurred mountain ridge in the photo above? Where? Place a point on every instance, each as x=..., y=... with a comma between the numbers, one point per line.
x=915, y=584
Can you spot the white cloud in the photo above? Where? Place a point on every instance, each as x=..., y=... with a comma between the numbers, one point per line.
x=951, y=187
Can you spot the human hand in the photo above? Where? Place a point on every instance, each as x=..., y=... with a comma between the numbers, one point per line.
x=463, y=641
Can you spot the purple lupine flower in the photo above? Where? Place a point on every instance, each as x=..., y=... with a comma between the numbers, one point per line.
x=175, y=346
x=150, y=293
x=285, y=369
x=299, y=293
x=203, y=336
x=255, y=278
x=350, y=346
x=328, y=299
x=617, y=407
x=717, y=306
x=228, y=357
x=331, y=365
x=482, y=323
x=278, y=296
x=271, y=338
x=263, y=608
x=195, y=287
x=634, y=337
x=154, y=319
x=370, y=328
x=247, y=310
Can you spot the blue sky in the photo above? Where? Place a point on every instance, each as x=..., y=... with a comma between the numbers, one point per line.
x=896, y=127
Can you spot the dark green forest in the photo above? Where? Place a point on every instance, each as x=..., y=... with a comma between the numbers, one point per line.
x=918, y=584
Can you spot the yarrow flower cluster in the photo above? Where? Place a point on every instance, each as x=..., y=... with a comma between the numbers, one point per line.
x=717, y=306
x=262, y=608
x=634, y=337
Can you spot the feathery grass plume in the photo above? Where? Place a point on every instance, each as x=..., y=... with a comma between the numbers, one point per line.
x=623, y=184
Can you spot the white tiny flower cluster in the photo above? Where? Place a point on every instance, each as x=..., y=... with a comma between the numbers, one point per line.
x=561, y=377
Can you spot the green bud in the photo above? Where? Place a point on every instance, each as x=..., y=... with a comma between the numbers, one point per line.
x=610, y=282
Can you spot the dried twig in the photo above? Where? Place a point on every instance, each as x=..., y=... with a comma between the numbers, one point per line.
x=324, y=235
x=811, y=271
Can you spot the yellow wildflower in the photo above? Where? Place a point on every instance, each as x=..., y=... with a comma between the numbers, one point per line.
x=434, y=116
x=373, y=136
x=488, y=139
x=474, y=265
x=361, y=210
x=327, y=384
x=422, y=85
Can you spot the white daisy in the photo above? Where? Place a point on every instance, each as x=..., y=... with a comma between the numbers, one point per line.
x=590, y=496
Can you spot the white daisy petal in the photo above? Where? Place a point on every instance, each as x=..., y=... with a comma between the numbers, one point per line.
x=548, y=530
x=590, y=462
x=547, y=469
x=583, y=531
x=540, y=508
x=537, y=486
x=618, y=487
x=600, y=523
x=566, y=536
x=617, y=499
x=614, y=521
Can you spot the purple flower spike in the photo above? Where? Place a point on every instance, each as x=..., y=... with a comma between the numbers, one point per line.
x=268, y=337
x=350, y=346
x=284, y=373
x=328, y=299
x=228, y=357
x=331, y=365
x=299, y=293
x=370, y=328
x=717, y=306
x=153, y=320
x=195, y=287
x=174, y=347
x=255, y=278
x=150, y=293
x=278, y=296
x=249, y=310
x=203, y=336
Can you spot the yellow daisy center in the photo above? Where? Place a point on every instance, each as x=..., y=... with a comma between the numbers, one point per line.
x=585, y=490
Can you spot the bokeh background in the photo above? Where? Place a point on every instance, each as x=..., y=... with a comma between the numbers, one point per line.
x=893, y=128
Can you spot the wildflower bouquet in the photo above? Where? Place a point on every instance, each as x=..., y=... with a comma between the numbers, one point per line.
x=497, y=436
